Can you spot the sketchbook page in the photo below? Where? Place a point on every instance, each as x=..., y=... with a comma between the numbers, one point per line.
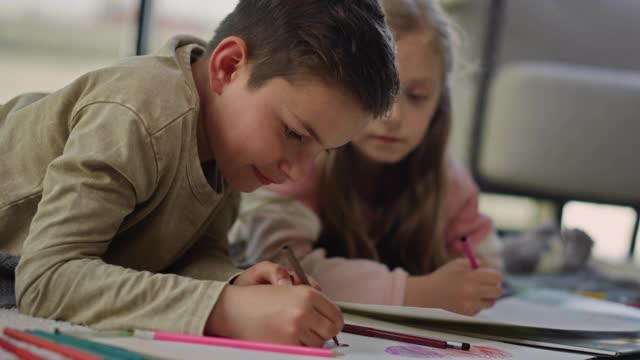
x=506, y=312
x=167, y=350
x=480, y=348
x=409, y=313
x=360, y=348
x=593, y=342
x=522, y=312
x=564, y=300
x=613, y=344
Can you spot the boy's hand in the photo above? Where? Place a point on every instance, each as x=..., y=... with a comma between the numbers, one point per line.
x=296, y=315
x=266, y=272
x=455, y=287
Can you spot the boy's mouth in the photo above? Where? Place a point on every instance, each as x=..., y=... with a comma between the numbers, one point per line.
x=261, y=177
x=387, y=139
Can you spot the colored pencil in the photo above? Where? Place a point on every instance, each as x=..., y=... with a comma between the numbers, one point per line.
x=97, y=334
x=106, y=351
x=303, y=277
x=234, y=343
x=412, y=339
x=466, y=246
x=94, y=333
x=50, y=345
x=20, y=353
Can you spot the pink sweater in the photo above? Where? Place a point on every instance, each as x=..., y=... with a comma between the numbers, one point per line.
x=286, y=214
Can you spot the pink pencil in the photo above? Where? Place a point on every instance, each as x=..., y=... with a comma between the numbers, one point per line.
x=467, y=250
x=234, y=343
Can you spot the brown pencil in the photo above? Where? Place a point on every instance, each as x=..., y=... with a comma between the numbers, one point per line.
x=412, y=339
x=298, y=270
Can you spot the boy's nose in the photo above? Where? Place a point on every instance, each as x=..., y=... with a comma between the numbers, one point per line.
x=394, y=118
x=295, y=169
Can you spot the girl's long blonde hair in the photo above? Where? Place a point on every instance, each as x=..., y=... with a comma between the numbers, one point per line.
x=412, y=192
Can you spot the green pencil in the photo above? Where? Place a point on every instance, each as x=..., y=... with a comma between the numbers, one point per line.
x=108, y=352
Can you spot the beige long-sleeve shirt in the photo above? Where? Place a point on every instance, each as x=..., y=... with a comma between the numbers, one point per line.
x=103, y=196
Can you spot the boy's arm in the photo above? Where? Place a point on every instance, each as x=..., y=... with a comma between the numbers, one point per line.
x=209, y=259
x=107, y=167
x=268, y=221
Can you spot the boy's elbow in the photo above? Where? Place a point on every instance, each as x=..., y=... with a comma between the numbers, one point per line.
x=27, y=292
x=30, y=290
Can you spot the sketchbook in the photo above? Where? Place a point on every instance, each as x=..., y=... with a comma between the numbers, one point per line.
x=359, y=347
x=534, y=323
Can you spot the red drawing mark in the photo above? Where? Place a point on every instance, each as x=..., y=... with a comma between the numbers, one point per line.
x=415, y=351
x=487, y=352
x=480, y=352
x=422, y=352
x=344, y=345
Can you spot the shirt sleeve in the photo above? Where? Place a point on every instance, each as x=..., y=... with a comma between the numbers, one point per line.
x=209, y=259
x=268, y=221
x=465, y=219
x=107, y=167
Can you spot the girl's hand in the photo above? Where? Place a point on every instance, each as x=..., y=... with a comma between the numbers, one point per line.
x=296, y=315
x=266, y=272
x=455, y=287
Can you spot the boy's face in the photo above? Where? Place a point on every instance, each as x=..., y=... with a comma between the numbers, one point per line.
x=420, y=69
x=271, y=134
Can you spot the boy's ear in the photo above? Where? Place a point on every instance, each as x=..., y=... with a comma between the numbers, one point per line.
x=230, y=54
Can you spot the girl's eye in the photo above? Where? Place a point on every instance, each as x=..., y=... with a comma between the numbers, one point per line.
x=292, y=135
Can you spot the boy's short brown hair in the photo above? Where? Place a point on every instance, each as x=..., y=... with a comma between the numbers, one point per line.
x=344, y=41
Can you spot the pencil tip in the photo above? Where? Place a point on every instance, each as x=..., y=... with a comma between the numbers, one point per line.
x=466, y=346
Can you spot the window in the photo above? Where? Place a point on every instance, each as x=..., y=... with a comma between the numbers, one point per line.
x=611, y=227
x=515, y=213
x=193, y=17
x=46, y=44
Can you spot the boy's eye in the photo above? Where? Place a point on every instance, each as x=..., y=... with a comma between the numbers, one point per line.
x=292, y=135
x=417, y=99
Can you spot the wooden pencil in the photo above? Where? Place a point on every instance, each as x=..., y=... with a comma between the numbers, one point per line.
x=412, y=339
x=298, y=270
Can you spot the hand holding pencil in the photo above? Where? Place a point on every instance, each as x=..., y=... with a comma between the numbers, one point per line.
x=301, y=274
x=456, y=286
x=253, y=309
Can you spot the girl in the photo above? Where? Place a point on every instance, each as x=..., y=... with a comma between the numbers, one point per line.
x=386, y=212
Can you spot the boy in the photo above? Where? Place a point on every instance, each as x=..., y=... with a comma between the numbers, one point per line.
x=117, y=191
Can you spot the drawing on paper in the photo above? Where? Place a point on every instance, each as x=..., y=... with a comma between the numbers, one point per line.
x=423, y=352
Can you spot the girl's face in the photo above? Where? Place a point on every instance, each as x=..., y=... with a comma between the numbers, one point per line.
x=420, y=66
